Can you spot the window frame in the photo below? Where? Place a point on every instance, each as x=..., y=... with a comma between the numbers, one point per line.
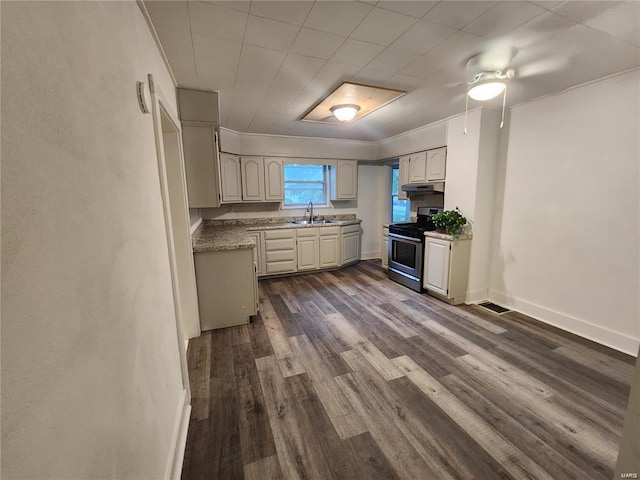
x=325, y=182
x=396, y=166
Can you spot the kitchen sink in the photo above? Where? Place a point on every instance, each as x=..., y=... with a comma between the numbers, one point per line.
x=314, y=222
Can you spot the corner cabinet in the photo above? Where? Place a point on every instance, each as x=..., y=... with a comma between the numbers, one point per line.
x=202, y=165
x=344, y=180
x=446, y=268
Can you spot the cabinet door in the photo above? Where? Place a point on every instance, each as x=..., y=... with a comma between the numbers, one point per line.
x=307, y=253
x=350, y=248
x=436, y=161
x=201, y=166
x=344, y=180
x=230, y=178
x=436, y=265
x=257, y=237
x=403, y=177
x=418, y=167
x=329, y=251
x=252, y=179
x=273, y=180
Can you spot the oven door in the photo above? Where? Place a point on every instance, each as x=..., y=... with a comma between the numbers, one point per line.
x=405, y=255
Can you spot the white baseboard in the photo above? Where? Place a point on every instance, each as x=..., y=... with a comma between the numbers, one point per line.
x=616, y=340
x=179, y=439
x=478, y=296
x=369, y=255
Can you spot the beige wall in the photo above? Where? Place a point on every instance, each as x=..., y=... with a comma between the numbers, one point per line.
x=567, y=208
x=91, y=378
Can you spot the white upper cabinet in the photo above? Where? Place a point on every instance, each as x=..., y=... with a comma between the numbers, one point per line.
x=418, y=167
x=230, y=178
x=403, y=176
x=436, y=164
x=344, y=180
x=273, y=180
x=201, y=166
x=252, y=169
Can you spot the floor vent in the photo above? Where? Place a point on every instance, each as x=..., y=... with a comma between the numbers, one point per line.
x=494, y=308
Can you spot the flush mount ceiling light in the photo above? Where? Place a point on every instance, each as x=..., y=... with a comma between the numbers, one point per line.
x=350, y=102
x=488, y=85
x=345, y=113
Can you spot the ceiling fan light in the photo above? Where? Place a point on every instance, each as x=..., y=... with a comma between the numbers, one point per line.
x=345, y=113
x=486, y=91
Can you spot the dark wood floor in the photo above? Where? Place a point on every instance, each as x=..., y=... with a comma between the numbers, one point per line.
x=349, y=375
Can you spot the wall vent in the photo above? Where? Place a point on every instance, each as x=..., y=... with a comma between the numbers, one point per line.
x=494, y=308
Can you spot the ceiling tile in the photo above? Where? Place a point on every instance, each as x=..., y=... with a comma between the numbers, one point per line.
x=503, y=18
x=179, y=61
x=356, y=52
x=404, y=82
x=261, y=122
x=289, y=12
x=266, y=33
x=422, y=37
x=178, y=42
x=339, y=18
x=412, y=8
x=328, y=78
x=277, y=100
x=222, y=54
x=238, y=5
x=186, y=78
x=258, y=65
x=382, y=27
x=622, y=21
x=393, y=59
x=169, y=14
x=457, y=14
x=297, y=70
x=317, y=44
x=583, y=10
x=371, y=76
x=548, y=4
x=214, y=21
x=212, y=78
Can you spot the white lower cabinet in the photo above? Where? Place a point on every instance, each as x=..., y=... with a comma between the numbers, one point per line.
x=329, y=247
x=229, y=299
x=446, y=268
x=280, y=251
x=350, y=244
x=258, y=237
x=307, y=246
x=385, y=248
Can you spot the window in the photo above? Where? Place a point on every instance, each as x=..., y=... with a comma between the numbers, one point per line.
x=400, y=209
x=304, y=184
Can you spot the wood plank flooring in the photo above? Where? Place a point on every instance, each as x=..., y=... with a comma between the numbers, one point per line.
x=347, y=375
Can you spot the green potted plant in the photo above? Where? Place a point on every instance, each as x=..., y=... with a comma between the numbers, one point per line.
x=450, y=222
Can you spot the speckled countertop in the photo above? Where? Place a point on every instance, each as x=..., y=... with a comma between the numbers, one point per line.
x=214, y=235
x=450, y=238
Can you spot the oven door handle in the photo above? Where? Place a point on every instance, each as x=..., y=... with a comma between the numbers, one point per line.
x=402, y=237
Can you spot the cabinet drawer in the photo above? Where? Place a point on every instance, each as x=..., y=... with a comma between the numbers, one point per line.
x=275, y=234
x=351, y=229
x=279, y=244
x=282, y=256
x=281, y=267
x=306, y=232
x=329, y=231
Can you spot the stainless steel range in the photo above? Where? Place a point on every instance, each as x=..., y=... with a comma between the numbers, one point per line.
x=406, y=249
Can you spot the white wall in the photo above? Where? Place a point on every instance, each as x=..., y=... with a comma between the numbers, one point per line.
x=567, y=246
x=91, y=378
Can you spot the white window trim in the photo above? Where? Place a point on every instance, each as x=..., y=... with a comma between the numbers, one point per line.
x=327, y=194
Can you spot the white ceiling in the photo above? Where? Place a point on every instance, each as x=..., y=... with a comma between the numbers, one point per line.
x=273, y=60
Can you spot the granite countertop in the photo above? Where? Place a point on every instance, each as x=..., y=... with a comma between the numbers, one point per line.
x=450, y=238
x=213, y=235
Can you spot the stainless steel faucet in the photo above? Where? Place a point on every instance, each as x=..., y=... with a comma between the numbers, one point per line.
x=310, y=210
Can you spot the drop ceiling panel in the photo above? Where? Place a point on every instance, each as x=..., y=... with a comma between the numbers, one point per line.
x=297, y=71
x=170, y=14
x=238, y=5
x=339, y=18
x=314, y=43
x=289, y=12
x=393, y=60
x=382, y=27
x=415, y=9
x=502, y=18
x=422, y=37
x=356, y=52
x=258, y=65
x=622, y=21
x=214, y=21
x=263, y=32
x=457, y=14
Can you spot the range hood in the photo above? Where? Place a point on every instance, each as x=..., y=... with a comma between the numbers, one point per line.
x=424, y=188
